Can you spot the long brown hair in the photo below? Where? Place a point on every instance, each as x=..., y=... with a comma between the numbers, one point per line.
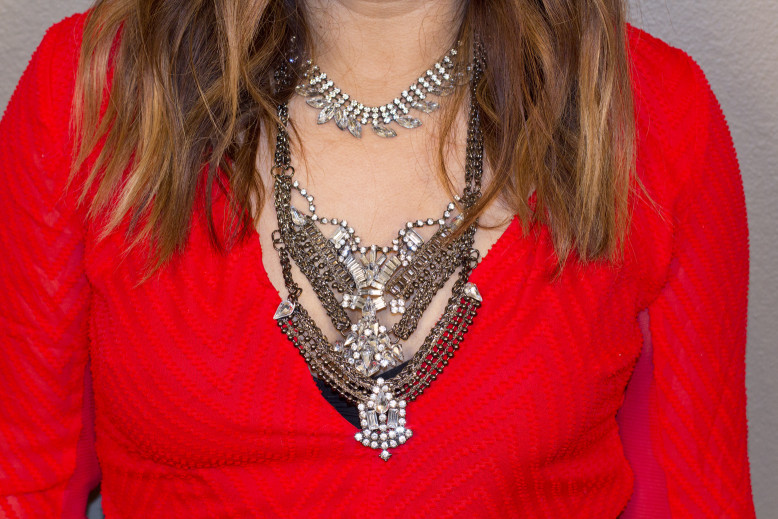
x=192, y=86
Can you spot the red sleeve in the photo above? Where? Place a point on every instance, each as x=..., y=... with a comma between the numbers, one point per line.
x=694, y=462
x=45, y=294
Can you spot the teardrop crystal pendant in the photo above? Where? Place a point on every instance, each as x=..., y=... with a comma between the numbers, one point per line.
x=472, y=292
x=382, y=417
x=285, y=309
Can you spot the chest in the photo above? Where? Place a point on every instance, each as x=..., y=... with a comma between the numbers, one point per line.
x=189, y=367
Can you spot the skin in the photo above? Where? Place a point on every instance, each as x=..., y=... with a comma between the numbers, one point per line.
x=373, y=49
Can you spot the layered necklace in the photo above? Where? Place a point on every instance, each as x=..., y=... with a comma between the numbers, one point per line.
x=402, y=277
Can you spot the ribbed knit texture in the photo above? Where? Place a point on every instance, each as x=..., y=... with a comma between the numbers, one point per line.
x=202, y=409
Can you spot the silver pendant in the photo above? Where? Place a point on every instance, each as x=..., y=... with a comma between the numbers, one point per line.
x=382, y=417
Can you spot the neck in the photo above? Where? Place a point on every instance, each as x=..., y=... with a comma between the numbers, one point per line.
x=376, y=48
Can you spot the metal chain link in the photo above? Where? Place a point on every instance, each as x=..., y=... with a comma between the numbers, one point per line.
x=444, y=338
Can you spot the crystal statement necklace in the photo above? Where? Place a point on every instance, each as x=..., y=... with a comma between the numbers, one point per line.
x=349, y=114
x=343, y=365
x=377, y=264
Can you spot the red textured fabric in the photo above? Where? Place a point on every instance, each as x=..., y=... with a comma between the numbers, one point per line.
x=204, y=410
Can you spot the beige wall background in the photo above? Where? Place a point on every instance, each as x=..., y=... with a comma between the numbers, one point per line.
x=736, y=43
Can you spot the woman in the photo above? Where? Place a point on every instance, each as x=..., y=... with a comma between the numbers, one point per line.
x=167, y=256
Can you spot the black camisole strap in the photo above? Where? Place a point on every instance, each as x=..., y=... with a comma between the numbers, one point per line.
x=341, y=405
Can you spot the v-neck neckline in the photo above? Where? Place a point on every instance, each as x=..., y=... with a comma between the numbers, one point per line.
x=505, y=241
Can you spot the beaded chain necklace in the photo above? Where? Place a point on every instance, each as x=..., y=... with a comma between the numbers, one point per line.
x=335, y=265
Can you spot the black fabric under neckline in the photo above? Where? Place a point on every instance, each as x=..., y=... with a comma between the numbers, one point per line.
x=344, y=407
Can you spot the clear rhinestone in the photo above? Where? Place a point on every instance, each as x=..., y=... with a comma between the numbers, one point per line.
x=354, y=127
x=341, y=119
x=317, y=101
x=285, y=309
x=372, y=420
x=383, y=131
x=297, y=217
x=382, y=402
x=425, y=106
x=327, y=113
x=407, y=121
x=306, y=90
x=359, y=437
x=385, y=455
x=472, y=292
x=393, y=418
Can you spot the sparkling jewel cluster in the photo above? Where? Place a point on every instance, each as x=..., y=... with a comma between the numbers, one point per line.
x=368, y=347
x=383, y=420
x=349, y=114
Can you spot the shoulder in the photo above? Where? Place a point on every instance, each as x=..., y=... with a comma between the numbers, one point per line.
x=35, y=131
x=56, y=57
x=65, y=34
x=654, y=59
x=675, y=108
x=684, y=150
x=47, y=85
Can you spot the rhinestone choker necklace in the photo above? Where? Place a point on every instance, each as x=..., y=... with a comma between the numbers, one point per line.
x=349, y=114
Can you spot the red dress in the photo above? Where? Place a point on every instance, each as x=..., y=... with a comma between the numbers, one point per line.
x=202, y=409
